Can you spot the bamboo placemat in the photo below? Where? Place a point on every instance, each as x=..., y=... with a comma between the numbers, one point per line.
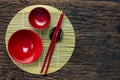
x=63, y=49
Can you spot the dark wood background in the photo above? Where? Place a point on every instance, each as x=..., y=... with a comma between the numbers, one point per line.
x=97, y=50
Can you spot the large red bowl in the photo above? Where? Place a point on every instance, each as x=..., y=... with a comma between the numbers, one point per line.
x=25, y=46
x=39, y=18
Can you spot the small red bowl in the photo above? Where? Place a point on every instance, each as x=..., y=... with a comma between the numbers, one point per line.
x=39, y=18
x=25, y=46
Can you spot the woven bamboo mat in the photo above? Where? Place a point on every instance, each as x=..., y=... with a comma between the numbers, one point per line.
x=63, y=49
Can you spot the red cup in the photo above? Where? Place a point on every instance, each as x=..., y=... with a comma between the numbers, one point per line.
x=25, y=46
x=39, y=18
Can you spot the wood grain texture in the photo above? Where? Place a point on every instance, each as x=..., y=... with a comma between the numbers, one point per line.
x=97, y=52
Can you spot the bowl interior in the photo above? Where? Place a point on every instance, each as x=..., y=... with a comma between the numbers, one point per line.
x=39, y=18
x=25, y=46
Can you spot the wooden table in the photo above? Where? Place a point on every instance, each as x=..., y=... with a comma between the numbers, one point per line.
x=97, y=50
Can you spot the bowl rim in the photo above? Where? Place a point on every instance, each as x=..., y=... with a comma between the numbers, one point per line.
x=22, y=62
x=32, y=12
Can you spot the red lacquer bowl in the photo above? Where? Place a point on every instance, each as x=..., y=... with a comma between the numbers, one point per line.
x=39, y=18
x=25, y=46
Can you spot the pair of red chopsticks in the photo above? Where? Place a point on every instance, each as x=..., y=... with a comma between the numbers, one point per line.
x=52, y=45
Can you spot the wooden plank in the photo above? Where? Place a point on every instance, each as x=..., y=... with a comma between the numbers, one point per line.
x=96, y=56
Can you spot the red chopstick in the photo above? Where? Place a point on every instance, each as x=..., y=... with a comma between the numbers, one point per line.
x=52, y=45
